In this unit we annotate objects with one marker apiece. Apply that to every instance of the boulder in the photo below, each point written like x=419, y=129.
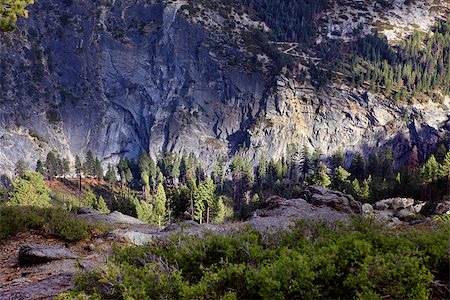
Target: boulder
x=320, y=196
x=130, y=237
x=277, y=213
x=436, y=208
x=113, y=218
x=118, y=217
x=381, y=205
x=405, y=212
x=394, y=203
x=419, y=206
x=180, y=226
x=38, y=254
x=367, y=209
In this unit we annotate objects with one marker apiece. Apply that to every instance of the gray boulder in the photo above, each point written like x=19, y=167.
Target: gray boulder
x=405, y=212
x=367, y=209
x=118, y=217
x=130, y=237
x=394, y=203
x=113, y=218
x=277, y=213
x=338, y=201
x=38, y=254
x=419, y=206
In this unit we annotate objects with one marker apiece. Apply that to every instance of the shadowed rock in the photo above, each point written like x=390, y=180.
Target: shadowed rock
x=38, y=254
x=320, y=196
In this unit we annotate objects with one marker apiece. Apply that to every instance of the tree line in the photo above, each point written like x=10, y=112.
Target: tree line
x=171, y=186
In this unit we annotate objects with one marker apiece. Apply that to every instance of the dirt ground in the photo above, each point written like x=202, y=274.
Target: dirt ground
x=43, y=281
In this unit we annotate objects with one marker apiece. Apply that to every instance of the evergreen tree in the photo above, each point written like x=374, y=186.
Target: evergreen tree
x=78, y=169
x=51, y=165
x=20, y=168
x=100, y=205
x=337, y=159
x=440, y=153
x=262, y=171
x=159, y=204
x=89, y=164
x=145, y=184
x=40, y=167
x=144, y=209
x=29, y=190
x=320, y=176
x=341, y=181
x=305, y=165
x=218, y=173
x=219, y=210
x=358, y=166
x=65, y=167
x=98, y=170
x=429, y=172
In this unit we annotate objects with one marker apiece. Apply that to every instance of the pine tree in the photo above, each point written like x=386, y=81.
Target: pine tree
x=51, y=165
x=65, y=167
x=341, y=181
x=78, y=169
x=40, y=168
x=337, y=159
x=89, y=164
x=358, y=166
x=320, y=176
x=305, y=165
x=159, y=204
x=219, y=210
x=262, y=171
x=20, y=168
x=145, y=184
x=98, y=170
x=429, y=172
x=100, y=205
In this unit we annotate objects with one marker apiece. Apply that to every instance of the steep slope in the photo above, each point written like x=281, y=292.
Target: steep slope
x=131, y=76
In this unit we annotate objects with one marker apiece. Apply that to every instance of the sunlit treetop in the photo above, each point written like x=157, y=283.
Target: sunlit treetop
x=10, y=11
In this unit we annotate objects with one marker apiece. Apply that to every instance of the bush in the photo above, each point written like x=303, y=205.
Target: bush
x=362, y=260
x=53, y=221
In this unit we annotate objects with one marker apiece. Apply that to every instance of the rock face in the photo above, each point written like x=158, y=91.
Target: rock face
x=124, y=77
x=37, y=254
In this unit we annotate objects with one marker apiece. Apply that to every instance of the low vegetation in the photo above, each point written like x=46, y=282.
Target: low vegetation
x=51, y=221
x=362, y=260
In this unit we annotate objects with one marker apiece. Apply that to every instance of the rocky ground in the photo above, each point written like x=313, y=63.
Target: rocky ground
x=35, y=266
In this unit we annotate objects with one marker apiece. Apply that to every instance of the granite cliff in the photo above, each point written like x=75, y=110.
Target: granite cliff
x=123, y=77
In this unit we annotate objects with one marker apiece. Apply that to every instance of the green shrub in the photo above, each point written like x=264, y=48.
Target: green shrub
x=362, y=260
x=53, y=221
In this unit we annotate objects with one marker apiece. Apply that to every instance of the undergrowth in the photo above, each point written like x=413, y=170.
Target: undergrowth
x=361, y=260
x=51, y=220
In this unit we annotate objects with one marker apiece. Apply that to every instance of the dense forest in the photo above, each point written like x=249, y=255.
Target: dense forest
x=171, y=187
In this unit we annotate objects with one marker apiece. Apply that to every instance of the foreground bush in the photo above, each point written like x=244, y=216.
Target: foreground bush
x=362, y=260
x=53, y=221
